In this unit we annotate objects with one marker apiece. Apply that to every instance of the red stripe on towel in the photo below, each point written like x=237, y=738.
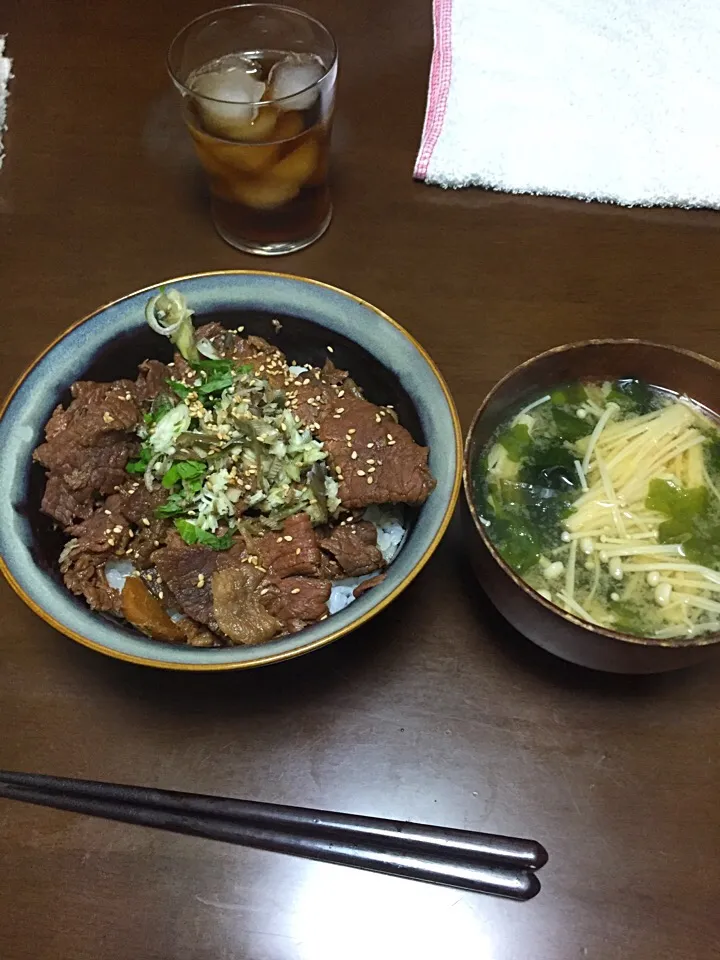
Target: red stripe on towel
x=440, y=76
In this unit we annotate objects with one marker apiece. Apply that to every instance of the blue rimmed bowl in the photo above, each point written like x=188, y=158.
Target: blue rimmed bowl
x=390, y=366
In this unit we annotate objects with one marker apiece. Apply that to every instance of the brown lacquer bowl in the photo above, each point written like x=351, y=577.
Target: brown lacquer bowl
x=547, y=625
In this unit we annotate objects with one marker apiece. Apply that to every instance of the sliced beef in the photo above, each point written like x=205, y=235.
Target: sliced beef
x=87, y=447
x=330, y=569
x=354, y=546
x=152, y=380
x=188, y=572
x=80, y=475
x=262, y=356
x=293, y=551
x=63, y=504
x=238, y=606
x=224, y=591
x=196, y=635
x=366, y=585
x=138, y=504
x=333, y=375
x=375, y=460
x=96, y=540
x=84, y=576
x=297, y=601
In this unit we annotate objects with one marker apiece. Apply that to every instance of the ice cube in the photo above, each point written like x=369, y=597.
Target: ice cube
x=227, y=159
x=264, y=194
x=299, y=165
x=228, y=102
x=289, y=126
x=291, y=77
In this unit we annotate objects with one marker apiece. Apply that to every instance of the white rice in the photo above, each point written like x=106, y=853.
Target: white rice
x=117, y=572
x=388, y=521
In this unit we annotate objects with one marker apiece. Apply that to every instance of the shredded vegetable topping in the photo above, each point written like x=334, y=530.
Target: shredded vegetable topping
x=168, y=314
x=227, y=445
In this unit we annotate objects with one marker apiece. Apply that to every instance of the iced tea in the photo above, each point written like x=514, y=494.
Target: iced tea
x=261, y=130
x=257, y=82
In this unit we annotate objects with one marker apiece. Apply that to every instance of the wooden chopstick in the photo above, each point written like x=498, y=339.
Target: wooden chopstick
x=470, y=861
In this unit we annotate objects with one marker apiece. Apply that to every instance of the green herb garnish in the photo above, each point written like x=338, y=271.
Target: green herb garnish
x=193, y=534
x=181, y=389
x=140, y=464
x=184, y=470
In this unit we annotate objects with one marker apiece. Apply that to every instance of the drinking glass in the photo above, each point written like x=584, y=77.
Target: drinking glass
x=257, y=83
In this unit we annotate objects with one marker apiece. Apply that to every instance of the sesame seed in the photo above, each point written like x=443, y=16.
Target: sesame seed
x=264, y=591
x=371, y=461
x=370, y=480
x=352, y=430
x=160, y=594
x=117, y=529
x=341, y=393
x=145, y=522
x=156, y=543
x=361, y=473
x=353, y=455
x=295, y=590
x=378, y=418
x=330, y=350
x=370, y=446
x=261, y=569
x=107, y=417
x=111, y=541
x=391, y=443
x=389, y=436
x=288, y=538
x=279, y=539
x=340, y=410
x=371, y=470
x=107, y=512
x=131, y=533
x=336, y=416
x=297, y=552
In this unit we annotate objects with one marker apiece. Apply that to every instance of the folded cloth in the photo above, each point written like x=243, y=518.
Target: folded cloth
x=5, y=65
x=615, y=100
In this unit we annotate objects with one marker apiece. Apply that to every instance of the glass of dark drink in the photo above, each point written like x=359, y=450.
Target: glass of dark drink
x=258, y=88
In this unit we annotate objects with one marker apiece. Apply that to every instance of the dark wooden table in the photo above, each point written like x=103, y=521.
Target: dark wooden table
x=437, y=711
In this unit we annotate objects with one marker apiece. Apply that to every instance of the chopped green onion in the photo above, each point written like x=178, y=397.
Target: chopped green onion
x=192, y=534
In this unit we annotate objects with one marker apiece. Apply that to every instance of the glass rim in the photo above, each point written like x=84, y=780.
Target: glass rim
x=247, y=6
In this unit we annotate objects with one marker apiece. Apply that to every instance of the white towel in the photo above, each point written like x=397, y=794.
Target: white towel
x=5, y=65
x=615, y=100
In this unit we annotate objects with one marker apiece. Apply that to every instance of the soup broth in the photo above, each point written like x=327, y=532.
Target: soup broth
x=605, y=498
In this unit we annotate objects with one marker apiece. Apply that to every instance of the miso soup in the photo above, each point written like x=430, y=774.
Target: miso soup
x=605, y=498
